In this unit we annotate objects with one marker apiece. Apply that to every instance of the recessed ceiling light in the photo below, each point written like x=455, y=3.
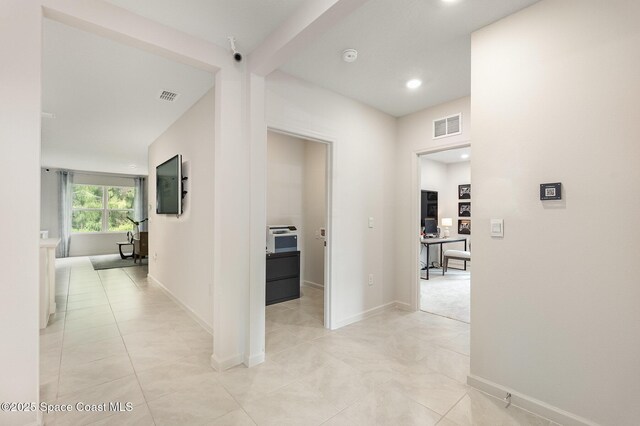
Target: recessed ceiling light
x=414, y=83
x=464, y=156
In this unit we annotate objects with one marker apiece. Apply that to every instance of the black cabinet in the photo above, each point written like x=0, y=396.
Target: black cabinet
x=428, y=206
x=283, y=277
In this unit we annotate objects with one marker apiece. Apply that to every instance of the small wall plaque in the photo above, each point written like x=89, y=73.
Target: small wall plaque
x=551, y=191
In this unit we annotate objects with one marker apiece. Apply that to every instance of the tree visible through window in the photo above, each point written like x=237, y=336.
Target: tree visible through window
x=101, y=208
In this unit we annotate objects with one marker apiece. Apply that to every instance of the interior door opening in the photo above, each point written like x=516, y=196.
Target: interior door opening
x=298, y=227
x=445, y=233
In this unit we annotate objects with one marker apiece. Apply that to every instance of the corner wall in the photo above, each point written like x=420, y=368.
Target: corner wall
x=414, y=133
x=555, y=99
x=184, y=245
x=363, y=155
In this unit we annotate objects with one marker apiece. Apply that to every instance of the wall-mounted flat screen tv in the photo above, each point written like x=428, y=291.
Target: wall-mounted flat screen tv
x=169, y=186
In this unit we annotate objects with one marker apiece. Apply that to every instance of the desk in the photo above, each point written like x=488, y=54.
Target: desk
x=427, y=242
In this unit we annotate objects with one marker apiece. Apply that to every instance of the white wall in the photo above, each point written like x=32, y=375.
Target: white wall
x=285, y=180
x=555, y=99
x=315, y=211
x=49, y=199
x=413, y=137
x=184, y=245
x=362, y=180
x=433, y=177
x=20, y=77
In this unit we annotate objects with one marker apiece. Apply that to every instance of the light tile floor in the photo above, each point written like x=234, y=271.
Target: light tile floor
x=116, y=337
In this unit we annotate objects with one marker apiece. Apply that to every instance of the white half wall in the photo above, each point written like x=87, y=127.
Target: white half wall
x=555, y=99
x=414, y=137
x=181, y=249
x=363, y=155
x=20, y=79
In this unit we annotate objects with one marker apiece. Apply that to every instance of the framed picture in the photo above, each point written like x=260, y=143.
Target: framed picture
x=464, y=226
x=464, y=191
x=464, y=209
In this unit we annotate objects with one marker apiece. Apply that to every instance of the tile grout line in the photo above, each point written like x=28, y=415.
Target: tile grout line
x=135, y=373
x=451, y=408
x=64, y=327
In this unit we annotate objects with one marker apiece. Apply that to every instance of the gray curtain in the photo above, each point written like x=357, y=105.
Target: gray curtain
x=139, y=202
x=65, y=179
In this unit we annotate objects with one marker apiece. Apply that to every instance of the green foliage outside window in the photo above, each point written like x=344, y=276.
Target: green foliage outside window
x=121, y=198
x=95, y=205
x=87, y=197
x=86, y=221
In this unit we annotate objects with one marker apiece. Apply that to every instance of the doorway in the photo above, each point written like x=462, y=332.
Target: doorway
x=111, y=314
x=445, y=227
x=297, y=188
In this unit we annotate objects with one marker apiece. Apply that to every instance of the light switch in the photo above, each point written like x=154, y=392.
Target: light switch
x=497, y=227
x=370, y=222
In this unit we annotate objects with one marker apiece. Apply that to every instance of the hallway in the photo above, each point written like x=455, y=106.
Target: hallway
x=118, y=338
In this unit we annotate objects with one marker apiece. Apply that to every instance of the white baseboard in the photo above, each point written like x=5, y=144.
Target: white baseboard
x=184, y=307
x=254, y=360
x=528, y=403
x=366, y=314
x=312, y=284
x=225, y=364
x=402, y=306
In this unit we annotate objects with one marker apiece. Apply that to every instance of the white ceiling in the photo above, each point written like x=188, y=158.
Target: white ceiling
x=104, y=94
x=398, y=40
x=450, y=156
x=249, y=21
x=104, y=97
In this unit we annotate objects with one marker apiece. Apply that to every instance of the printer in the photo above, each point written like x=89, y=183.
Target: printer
x=282, y=238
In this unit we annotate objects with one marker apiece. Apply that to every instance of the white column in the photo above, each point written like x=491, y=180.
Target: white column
x=231, y=185
x=20, y=49
x=258, y=146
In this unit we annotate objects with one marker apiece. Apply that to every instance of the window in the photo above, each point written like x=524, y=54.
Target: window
x=101, y=208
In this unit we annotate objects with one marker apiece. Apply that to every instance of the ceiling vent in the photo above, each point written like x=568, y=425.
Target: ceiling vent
x=168, y=96
x=447, y=126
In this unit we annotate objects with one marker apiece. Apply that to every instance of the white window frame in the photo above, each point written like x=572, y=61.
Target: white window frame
x=105, y=210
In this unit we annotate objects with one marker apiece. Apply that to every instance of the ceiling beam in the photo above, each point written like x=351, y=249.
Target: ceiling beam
x=308, y=22
x=106, y=20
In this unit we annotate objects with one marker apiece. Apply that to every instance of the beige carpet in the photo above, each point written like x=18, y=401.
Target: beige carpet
x=447, y=295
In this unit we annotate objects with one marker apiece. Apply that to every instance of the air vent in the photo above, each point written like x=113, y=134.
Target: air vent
x=168, y=96
x=447, y=126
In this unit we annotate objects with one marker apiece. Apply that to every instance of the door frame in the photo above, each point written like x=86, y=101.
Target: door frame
x=329, y=142
x=415, y=213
